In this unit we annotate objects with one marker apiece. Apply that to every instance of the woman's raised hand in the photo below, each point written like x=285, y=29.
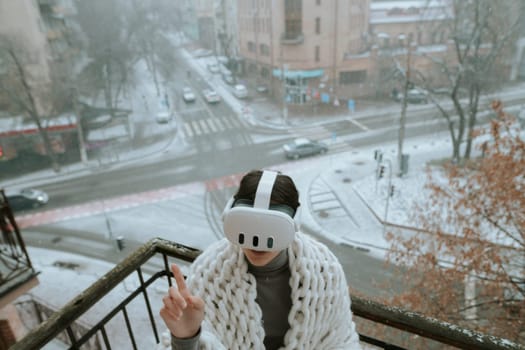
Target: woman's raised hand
x=182, y=312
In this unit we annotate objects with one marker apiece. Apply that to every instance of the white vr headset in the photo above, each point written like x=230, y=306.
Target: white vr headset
x=260, y=225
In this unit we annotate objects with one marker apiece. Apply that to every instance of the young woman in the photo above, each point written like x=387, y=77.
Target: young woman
x=260, y=289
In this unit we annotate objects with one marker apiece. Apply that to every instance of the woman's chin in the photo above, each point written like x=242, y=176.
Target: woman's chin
x=259, y=258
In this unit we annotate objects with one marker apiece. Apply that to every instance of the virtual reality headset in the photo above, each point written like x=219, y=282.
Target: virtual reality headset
x=259, y=225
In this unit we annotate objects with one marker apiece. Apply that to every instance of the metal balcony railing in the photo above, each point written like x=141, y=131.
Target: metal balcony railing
x=15, y=265
x=154, y=256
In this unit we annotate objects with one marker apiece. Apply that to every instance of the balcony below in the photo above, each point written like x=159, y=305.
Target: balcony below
x=292, y=38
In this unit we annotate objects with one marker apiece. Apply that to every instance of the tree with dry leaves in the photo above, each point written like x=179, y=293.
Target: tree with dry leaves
x=467, y=265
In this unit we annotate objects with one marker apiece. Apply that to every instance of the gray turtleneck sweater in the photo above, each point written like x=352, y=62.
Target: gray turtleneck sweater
x=273, y=297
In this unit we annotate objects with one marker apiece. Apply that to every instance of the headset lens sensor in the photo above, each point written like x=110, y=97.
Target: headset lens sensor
x=269, y=242
x=255, y=241
x=241, y=238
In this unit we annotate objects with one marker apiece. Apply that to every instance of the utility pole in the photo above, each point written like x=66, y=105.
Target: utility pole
x=402, y=119
x=80, y=131
x=283, y=81
x=388, y=193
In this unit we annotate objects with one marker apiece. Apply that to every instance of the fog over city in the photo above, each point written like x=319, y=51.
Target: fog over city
x=401, y=122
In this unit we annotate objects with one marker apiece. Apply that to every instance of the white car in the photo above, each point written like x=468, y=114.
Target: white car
x=240, y=91
x=211, y=96
x=163, y=117
x=188, y=95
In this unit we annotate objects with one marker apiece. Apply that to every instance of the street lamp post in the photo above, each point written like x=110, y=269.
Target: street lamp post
x=388, y=193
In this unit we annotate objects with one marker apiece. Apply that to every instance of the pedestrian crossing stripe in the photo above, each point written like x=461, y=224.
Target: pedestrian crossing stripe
x=203, y=126
x=218, y=125
x=196, y=129
x=209, y=125
x=187, y=130
x=212, y=126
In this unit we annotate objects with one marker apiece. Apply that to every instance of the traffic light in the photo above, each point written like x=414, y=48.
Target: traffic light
x=1, y=152
x=120, y=243
x=381, y=172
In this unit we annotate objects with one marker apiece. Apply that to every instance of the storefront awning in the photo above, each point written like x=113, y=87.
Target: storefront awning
x=294, y=74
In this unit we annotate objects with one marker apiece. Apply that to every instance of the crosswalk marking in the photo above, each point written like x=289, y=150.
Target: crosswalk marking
x=187, y=130
x=218, y=124
x=197, y=128
x=210, y=125
x=204, y=126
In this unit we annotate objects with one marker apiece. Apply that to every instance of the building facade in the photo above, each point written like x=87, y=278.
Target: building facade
x=319, y=49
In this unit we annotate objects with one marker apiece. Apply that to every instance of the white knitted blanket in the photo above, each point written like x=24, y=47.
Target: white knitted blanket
x=320, y=317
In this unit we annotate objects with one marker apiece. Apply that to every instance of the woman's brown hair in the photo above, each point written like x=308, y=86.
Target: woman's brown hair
x=284, y=190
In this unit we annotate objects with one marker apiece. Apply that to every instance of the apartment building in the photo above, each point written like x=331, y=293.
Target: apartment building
x=307, y=48
x=28, y=39
x=40, y=34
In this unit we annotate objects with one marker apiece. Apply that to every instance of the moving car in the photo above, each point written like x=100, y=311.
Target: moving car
x=240, y=91
x=163, y=117
x=302, y=147
x=23, y=199
x=211, y=96
x=188, y=95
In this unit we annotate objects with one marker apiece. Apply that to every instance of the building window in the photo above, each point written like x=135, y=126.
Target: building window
x=251, y=46
x=317, y=54
x=264, y=49
x=293, y=13
x=318, y=25
x=352, y=77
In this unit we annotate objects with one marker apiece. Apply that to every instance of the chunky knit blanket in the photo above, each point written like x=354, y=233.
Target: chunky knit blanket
x=320, y=317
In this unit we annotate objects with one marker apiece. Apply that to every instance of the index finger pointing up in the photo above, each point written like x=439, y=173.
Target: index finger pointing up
x=179, y=278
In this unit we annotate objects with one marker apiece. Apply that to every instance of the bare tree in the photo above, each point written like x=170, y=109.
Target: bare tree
x=108, y=48
x=18, y=85
x=151, y=36
x=480, y=35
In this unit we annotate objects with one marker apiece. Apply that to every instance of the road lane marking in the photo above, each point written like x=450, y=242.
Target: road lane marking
x=358, y=124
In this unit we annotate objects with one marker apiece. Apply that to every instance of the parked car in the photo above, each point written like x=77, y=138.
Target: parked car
x=413, y=96
x=202, y=53
x=417, y=96
x=211, y=96
x=163, y=117
x=24, y=199
x=213, y=67
x=240, y=91
x=188, y=95
x=262, y=89
x=303, y=147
